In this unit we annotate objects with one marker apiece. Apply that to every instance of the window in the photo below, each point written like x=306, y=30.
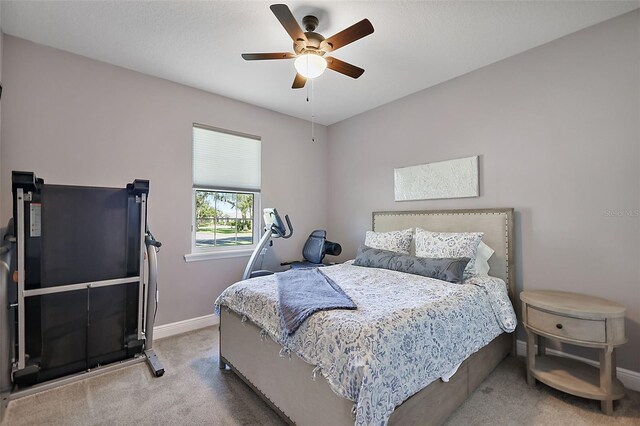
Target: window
x=223, y=219
x=226, y=192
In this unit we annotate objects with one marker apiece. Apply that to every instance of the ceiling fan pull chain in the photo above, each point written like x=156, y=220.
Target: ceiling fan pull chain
x=313, y=116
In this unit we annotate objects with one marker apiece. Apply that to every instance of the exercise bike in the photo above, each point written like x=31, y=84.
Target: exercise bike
x=314, y=251
x=274, y=227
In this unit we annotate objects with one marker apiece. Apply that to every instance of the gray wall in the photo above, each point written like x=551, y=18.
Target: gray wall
x=74, y=120
x=2, y=225
x=557, y=132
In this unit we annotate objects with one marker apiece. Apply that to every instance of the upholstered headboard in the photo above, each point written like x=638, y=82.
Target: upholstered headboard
x=497, y=225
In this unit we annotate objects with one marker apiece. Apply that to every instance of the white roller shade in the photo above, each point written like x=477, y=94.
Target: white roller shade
x=225, y=161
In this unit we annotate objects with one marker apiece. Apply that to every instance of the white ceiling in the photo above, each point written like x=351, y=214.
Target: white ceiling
x=416, y=44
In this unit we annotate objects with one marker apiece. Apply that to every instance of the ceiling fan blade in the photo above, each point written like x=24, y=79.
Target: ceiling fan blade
x=346, y=36
x=344, y=67
x=289, y=22
x=299, y=82
x=262, y=56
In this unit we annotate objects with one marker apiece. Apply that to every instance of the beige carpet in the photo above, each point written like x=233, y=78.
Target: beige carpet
x=194, y=391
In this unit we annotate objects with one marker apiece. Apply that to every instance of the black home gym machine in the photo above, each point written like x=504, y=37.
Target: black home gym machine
x=79, y=277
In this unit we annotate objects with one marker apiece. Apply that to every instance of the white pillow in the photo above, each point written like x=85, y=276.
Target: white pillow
x=482, y=259
x=449, y=244
x=397, y=241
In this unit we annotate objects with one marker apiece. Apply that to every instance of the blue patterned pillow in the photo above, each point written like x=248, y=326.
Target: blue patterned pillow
x=449, y=245
x=397, y=241
x=445, y=269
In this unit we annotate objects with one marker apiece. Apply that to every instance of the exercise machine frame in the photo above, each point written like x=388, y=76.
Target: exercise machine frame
x=273, y=228
x=147, y=281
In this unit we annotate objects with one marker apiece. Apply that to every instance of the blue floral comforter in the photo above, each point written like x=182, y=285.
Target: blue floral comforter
x=407, y=332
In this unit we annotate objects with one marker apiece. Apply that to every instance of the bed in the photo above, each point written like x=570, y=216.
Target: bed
x=295, y=378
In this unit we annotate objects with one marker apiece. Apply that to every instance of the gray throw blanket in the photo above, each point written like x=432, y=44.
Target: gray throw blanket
x=303, y=292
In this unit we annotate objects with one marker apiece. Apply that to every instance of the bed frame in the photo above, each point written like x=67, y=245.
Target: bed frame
x=287, y=385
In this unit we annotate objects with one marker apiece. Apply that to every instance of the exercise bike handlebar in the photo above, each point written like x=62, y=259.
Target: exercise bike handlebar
x=274, y=228
x=282, y=233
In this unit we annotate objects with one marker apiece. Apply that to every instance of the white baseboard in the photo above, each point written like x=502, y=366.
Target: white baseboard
x=166, y=330
x=629, y=378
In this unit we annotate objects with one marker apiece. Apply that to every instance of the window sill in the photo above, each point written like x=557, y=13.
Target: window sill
x=213, y=255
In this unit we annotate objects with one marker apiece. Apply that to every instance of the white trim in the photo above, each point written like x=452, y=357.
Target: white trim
x=212, y=255
x=167, y=330
x=629, y=378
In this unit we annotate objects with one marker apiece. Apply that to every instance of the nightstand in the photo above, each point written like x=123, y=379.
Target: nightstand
x=579, y=320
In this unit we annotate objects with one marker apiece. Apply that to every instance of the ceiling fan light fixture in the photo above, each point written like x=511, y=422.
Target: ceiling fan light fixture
x=310, y=47
x=310, y=65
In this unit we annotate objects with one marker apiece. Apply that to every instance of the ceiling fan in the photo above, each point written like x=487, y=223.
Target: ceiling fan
x=310, y=47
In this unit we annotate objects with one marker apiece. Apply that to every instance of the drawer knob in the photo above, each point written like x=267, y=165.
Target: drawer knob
x=559, y=326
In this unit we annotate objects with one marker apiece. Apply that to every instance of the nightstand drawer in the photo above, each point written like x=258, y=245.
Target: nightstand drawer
x=567, y=327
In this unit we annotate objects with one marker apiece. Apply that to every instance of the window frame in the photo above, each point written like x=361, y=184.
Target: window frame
x=222, y=252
